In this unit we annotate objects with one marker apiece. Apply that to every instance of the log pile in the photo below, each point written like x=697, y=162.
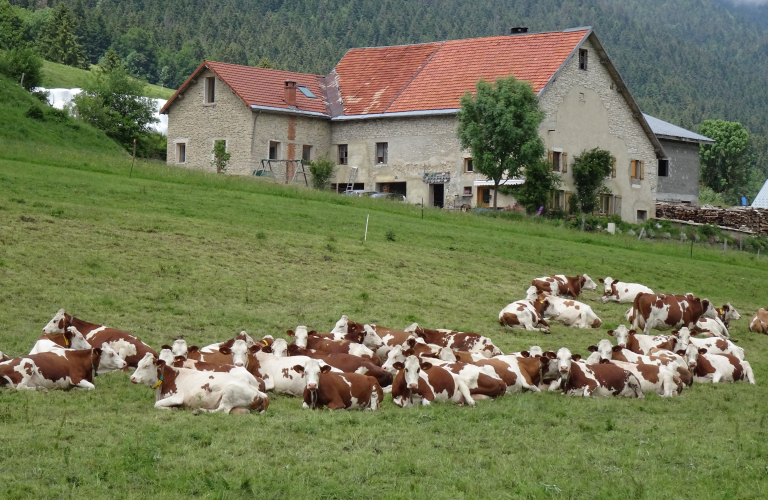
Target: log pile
x=755, y=219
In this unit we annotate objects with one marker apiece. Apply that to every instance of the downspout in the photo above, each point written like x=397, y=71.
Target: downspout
x=253, y=136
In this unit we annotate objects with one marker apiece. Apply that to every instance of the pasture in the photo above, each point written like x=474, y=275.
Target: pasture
x=170, y=253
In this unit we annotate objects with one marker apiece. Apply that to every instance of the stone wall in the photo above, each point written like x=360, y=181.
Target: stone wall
x=682, y=184
x=584, y=110
x=247, y=132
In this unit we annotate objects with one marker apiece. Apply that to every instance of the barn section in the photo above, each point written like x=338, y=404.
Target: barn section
x=387, y=117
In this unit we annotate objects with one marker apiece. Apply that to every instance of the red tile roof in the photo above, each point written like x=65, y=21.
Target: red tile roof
x=435, y=76
x=261, y=87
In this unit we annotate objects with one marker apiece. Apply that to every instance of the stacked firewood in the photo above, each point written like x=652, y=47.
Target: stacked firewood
x=755, y=219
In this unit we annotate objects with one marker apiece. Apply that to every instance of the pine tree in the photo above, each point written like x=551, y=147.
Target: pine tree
x=59, y=43
x=97, y=39
x=11, y=27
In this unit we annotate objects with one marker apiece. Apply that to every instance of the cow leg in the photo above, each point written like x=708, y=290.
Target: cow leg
x=748, y=372
x=716, y=377
x=336, y=404
x=169, y=402
x=464, y=390
x=84, y=384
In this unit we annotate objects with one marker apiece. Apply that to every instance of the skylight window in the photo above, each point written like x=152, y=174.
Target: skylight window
x=307, y=92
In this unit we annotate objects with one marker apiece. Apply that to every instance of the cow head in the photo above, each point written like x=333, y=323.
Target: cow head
x=342, y=326
x=728, y=313
x=604, y=349
x=683, y=338
x=75, y=339
x=146, y=371
x=549, y=366
x=312, y=371
x=371, y=340
x=607, y=282
x=540, y=305
x=535, y=350
x=411, y=367
x=564, y=361
x=446, y=354
x=708, y=310
x=587, y=283
x=240, y=353
x=622, y=334
x=180, y=348
x=691, y=355
x=58, y=324
x=532, y=293
x=395, y=355
x=247, y=338
x=266, y=340
x=301, y=335
x=167, y=355
x=109, y=360
x=280, y=348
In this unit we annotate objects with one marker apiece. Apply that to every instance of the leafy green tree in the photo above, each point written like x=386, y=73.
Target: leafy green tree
x=220, y=156
x=536, y=192
x=96, y=38
x=499, y=125
x=59, y=42
x=265, y=63
x=23, y=61
x=112, y=101
x=590, y=169
x=322, y=170
x=110, y=61
x=724, y=164
x=11, y=27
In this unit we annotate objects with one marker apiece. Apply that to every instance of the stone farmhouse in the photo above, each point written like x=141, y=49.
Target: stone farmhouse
x=387, y=117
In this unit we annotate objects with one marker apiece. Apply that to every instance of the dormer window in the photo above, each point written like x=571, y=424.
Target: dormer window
x=583, y=55
x=307, y=93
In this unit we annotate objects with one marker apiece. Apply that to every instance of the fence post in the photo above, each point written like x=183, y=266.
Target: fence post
x=582, y=222
x=725, y=244
x=642, y=232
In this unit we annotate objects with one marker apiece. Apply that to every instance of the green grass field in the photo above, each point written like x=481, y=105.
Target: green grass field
x=59, y=76
x=170, y=252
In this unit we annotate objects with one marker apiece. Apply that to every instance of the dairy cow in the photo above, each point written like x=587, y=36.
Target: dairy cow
x=656, y=356
x=716, y=368
x=71, y=339
x=181, y=362
x=569, y=312
x=667, y=312
x=310, y=341
x=718, y=326
x=338, y=391
x=422, y=383
x=460, y=341
x=60, y=368
x=581, y=379
x=525, y=314
x=618, y=291
x=641, y=344
x=713, y=345
x=562, y=285
x=759, y=323
x=207, y=391
x=347, y=363
x=128, y=347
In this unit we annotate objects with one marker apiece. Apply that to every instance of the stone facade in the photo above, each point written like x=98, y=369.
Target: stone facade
x=682, y=183
x=248, y=133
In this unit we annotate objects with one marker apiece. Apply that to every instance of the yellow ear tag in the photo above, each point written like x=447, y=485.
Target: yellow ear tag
x=159, y=382
x=66, y=342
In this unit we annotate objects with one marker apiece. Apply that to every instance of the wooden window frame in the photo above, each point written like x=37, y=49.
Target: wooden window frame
x=583, y=59
x=469, y=167
x=343, y=159
x=277, y=150
x=382, y=153
x=306, y=148
x=181, y=152
x=210, y=90
x=637, y=169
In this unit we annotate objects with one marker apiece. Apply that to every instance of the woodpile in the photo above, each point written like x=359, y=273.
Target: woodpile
x=754, y=219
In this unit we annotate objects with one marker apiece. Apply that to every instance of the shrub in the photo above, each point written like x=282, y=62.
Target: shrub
x=590, y=169
x=390, y=235
x=23, y=61
x=322, y=170
x=35, y=112
x=57, y=115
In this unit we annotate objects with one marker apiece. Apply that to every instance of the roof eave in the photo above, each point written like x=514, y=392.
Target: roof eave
x=398, y=114
x=180, y=91
x=684, y=139
x=287, y=111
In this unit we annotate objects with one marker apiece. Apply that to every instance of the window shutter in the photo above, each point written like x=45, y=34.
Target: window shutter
x=642, y=170
x=633, y=165
x=551, y=158
x=586, y=59
x=565, y=162
x=617, y=205
x=613, y=171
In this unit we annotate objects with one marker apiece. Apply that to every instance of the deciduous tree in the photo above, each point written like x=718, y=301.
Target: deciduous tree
x=590, y=169
x=724, y=164
x=499, y=125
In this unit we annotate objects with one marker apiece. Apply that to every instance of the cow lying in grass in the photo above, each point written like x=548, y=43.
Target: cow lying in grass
x=422, y=383
x=338, y=391
x=166, y=355
x=580, y=379
x=206, y=391
x=71, y=339
x=718, y=326
x=618, y=291
x=713, y=345
x=525, y=314
x=759, y=323
x=716, y=368
x=564, y=286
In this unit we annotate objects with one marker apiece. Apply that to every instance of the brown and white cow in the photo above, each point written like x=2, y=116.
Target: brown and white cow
x=569, y=312
x=60, y=368
x=656, y=356
x=4, y=357
x=347, y=363
x=310, y=341
x=668, y=312
x=641, y=344
x=338, y=391
x=563, y=285
x=713, y=345
x=718, y=326
x=71, y=339
x=128, y=347
x=181, y=362
x=759, y=323
x=653, y=378
x=716, y=368
x=581, y=379
x=518, y=373
x=422, y=383
x=525, y=314
x=618, y=291
x=207, y=391
x=460, y=341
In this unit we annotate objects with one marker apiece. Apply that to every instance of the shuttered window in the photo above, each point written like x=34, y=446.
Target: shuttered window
x=565, y=162
x=381, y=152
x=638, y=169
x=613, y=168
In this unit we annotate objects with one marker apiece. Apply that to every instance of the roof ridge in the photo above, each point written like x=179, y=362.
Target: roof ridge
x=266, y=69
x=414, y=75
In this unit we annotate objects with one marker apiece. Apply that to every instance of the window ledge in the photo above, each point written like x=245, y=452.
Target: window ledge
x=636, y=186
x=209, y=104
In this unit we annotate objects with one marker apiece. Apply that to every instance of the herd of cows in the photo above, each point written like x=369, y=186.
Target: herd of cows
x=354, y=365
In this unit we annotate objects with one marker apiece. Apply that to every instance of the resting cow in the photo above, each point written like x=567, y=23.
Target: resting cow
x=641, y=344
x=657, y=357
x=60, y=368
x=421, y=382
x=569, y=312
x=525, y=314
x=338, y=391
x=581, y=379
x=718, y=326
x=311, y=341
x=563, y=285
x=618, y=291
x=71, y=339
x=668, y=312
x=204, y=366
x=128, y=347
x=716, y=368
x=345, y=362
x=759, y=324
x=460, y=341
x=713, y=345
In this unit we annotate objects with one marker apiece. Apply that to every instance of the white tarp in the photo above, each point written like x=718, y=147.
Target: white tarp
x=504, y=182
x=761, y=200
x=61, y=97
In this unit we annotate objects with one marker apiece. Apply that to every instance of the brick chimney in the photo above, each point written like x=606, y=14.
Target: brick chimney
x=290, y=93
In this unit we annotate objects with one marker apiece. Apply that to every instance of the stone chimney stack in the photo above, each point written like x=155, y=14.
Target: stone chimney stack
x=290, y=93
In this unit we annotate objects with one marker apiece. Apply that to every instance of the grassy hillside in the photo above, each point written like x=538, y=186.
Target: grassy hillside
x=171, y=253
x=66, y=77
